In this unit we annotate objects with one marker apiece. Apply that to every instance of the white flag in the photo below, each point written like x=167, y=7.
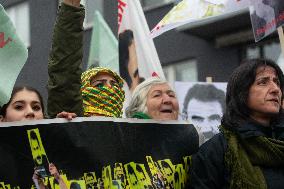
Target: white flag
x=194, y=11
x=139, y=52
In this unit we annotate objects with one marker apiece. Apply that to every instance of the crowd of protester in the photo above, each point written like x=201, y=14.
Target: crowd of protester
x=247, y=153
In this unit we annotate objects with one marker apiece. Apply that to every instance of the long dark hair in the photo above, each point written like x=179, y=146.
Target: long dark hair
x=237, y=111
x=3, y=110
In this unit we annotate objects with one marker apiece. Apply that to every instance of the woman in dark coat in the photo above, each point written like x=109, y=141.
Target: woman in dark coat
x=249, y=151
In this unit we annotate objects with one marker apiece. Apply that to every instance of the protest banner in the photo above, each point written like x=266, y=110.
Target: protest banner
x=138, y=58
x=202, y=104
x=97, y=153
x=266, y=17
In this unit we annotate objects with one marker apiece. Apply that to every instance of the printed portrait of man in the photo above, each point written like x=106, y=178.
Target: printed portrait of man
x=203, y=106
x=36, y=148
x=158, y=180
x=137, y=176
x=90, y=179
x=134, y=182
x=38, y=153
x=119, y=174
x=168, y=169
x=278, y=7
x=128, y=64
x=265, y=16
x=2, y=185
x=106, y=176
x=179, y=176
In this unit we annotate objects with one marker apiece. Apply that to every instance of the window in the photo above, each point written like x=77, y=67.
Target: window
x=19, y=15
x=181, y=71
x=272, y=51
x=253, y=52
x=269, y=50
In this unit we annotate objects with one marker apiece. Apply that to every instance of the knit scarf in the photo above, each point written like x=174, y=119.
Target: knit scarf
x=104, y=101
x=244, y=157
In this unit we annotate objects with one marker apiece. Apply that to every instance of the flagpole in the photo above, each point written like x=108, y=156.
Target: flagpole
x=281, y=38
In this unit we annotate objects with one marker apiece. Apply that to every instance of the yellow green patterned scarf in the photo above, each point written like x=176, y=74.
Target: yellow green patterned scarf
x=103, y=100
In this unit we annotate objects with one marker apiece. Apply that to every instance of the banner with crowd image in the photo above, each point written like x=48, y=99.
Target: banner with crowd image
x=202, y=104
x=97, y=153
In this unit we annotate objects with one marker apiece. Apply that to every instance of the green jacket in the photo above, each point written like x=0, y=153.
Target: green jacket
x=64, y=64
x=140, y=115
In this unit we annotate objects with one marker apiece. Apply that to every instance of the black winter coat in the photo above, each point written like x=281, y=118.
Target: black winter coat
x=208, y=166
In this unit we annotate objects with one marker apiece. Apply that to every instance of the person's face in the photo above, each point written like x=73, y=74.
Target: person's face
x=102, y=79
x=36, y=151
x=25, y=105
x=162, y=103
x=206, y=115
x=264, y=99
x=133, y=66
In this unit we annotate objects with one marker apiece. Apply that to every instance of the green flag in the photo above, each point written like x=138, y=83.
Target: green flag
x=13, y=55
x=104, y=46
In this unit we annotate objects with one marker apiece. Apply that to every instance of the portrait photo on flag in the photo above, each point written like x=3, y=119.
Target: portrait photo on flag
x=138, y=58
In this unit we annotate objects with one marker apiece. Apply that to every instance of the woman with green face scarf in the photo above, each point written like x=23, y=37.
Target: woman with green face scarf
x=102, y=93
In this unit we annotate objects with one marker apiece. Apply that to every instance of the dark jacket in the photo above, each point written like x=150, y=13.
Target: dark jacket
x=208, y=167
x=64, y=65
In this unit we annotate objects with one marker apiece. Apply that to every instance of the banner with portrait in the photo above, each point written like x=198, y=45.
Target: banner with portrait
x=202, y=104
x=96, y=153
x=266, y=16
x=138, y=58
